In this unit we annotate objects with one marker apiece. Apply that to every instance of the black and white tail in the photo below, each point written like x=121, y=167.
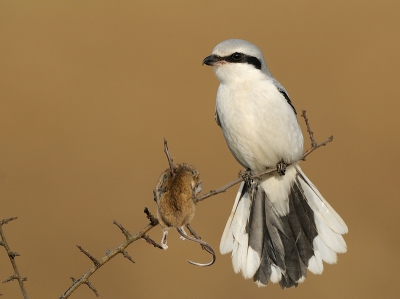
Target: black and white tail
x=278, y=239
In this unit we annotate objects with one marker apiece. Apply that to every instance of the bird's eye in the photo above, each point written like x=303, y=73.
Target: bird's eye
x=237, y=56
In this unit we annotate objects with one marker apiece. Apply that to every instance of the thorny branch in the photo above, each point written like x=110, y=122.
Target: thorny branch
x=121, y=249
x=12, y=255
x=97, y=264
x=314, y=144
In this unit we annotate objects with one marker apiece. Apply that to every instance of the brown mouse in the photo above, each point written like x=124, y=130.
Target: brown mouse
x=174, y=194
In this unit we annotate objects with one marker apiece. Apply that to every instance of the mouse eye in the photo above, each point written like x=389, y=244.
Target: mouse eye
x=237, y=56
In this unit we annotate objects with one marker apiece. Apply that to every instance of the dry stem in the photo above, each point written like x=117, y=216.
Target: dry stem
x=97, y=264
x=170, y=161
x=12, y=255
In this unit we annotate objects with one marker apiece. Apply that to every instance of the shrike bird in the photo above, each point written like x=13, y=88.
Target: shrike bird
x=279, y=226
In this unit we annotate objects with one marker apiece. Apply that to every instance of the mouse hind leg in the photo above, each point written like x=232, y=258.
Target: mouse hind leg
x=164, y=239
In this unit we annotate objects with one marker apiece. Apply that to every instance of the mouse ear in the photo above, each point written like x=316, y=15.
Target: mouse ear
x=198, y=188
x=155, y=195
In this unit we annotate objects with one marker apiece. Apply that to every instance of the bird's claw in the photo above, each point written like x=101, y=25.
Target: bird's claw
x=281, y=167
x=247, y=177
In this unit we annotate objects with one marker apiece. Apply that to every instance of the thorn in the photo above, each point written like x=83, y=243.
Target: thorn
x=95, y=261
x=13, y=254
x=5, y=221
x=87, y=282
x=149, y=216
x=152, y=242
x=108, y=251
x=126, y=255
x=11, y=278
x=124, y=231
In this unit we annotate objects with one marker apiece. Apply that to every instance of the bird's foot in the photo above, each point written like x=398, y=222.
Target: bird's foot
x=281, y=167
x=247, y=177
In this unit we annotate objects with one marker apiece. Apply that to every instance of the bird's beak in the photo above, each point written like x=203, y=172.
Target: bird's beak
x=211, y=60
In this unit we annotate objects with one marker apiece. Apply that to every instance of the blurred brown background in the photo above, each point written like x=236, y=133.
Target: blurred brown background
x=88, y=90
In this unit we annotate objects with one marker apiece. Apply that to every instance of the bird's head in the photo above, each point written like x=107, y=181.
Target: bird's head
x=236, y=59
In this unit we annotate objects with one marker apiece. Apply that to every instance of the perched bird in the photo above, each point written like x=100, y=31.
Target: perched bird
x=174, y=194
x=280, y=225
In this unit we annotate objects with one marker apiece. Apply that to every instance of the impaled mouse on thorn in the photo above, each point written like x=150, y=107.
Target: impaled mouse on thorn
x=174, y=193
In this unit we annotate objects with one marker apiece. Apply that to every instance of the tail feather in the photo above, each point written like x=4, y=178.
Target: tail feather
x=306, y=214
x=273, y=254
x=297, y=222
x=326, y=254
x=255, y=232
x=270, y=244
x=276, y=274
x=292, y=258
x=239, y=253
x=315, y=264
x=320, y=206
x=307, y=220
x=333, y=240
x=263, y=273
x=275, y=248
x=235, y=238
x=226, y=244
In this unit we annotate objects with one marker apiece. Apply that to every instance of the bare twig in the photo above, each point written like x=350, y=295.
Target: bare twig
x=219, y=190
x=95, y=261
x=126, y=255
x=310, y=133
x=124, y=231
x=151, y=241
x=170, y=161
x=90, y=286
x=153, y=220
x=12, y=256
x=84, y=279
x=314, y=146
